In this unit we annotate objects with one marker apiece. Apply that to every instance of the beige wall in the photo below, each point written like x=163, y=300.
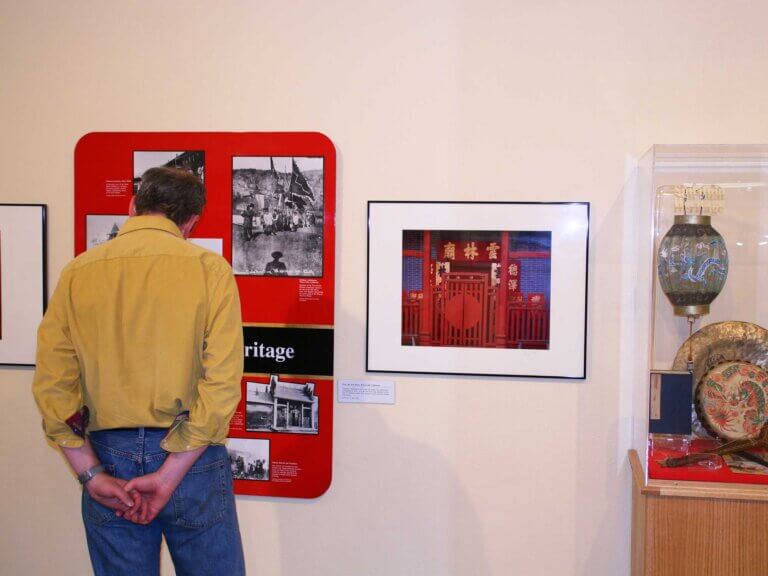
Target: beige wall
x=487, y=100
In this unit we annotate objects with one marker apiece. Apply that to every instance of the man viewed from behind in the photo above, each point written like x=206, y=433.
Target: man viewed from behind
x=139, y=363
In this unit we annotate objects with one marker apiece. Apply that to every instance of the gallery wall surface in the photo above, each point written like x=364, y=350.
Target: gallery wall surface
x=425, y=100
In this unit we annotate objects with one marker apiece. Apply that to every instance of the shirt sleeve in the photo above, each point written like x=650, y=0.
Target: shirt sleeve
x=56, y=385
x=219, y=388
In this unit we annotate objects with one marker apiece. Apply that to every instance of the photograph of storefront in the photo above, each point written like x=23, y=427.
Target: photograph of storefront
x=281, y=407
x=487, y=289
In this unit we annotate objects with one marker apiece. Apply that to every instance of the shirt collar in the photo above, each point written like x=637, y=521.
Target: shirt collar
x=150, y=223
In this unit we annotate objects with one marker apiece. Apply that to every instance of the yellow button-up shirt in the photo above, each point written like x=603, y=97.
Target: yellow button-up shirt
x=141, y=329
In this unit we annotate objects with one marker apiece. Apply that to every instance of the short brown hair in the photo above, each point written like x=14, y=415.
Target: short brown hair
x=176, y=193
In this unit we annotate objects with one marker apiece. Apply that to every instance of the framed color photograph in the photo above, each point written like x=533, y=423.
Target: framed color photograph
x=23, y=280
x=478, y=288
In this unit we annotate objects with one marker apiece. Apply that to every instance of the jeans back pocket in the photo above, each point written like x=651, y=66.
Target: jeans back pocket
x=200, y=500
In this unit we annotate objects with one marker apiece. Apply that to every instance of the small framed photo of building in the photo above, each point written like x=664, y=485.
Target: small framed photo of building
x=23, y=280
x=249, y=458
x=192, y=161
x=280, y=406
x=100, y=228
x=478, y=288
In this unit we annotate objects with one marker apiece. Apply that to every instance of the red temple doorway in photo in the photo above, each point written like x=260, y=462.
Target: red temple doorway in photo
x=483, y=289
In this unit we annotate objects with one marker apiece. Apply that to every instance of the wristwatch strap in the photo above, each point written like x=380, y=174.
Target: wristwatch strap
x=83, y=477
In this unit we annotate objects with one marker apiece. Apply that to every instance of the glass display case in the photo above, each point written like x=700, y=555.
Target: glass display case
x=695, y=344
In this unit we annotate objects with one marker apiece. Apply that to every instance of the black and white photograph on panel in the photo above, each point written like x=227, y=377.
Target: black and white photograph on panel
x=277, y=216
x=100, y=228
x=281, y=407
x=249, y=458
x=190, y=160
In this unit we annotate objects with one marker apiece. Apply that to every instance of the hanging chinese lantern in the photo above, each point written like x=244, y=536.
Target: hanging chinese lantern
x=692, y=264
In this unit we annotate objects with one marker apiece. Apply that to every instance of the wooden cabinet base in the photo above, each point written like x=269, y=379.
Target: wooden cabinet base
x=697, y=528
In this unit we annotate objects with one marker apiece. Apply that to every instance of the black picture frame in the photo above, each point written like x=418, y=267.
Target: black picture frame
x=34, y=321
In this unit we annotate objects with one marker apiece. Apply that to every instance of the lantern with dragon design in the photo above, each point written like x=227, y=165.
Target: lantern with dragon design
x=693, y=258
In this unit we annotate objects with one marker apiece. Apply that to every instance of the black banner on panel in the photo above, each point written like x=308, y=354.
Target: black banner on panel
x=288, y=350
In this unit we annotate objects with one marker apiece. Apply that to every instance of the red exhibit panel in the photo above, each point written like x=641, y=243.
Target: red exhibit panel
x=270, y=212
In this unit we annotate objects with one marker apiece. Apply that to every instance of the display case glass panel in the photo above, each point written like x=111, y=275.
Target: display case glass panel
x=704, y=267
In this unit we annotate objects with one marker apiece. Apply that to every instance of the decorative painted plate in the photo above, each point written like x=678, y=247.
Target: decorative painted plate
x=731, y=400
x=712, y=348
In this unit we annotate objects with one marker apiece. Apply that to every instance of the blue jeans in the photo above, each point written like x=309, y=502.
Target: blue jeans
x=199, y=522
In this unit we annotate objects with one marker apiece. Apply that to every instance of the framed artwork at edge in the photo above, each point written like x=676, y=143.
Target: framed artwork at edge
x=270, y=212
x=23, y=280
x=478, y=288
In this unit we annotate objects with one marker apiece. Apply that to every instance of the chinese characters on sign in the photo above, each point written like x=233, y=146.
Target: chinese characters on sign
x=471, y=251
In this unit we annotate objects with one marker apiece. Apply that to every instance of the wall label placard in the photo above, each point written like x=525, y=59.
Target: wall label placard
x=366, y=391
